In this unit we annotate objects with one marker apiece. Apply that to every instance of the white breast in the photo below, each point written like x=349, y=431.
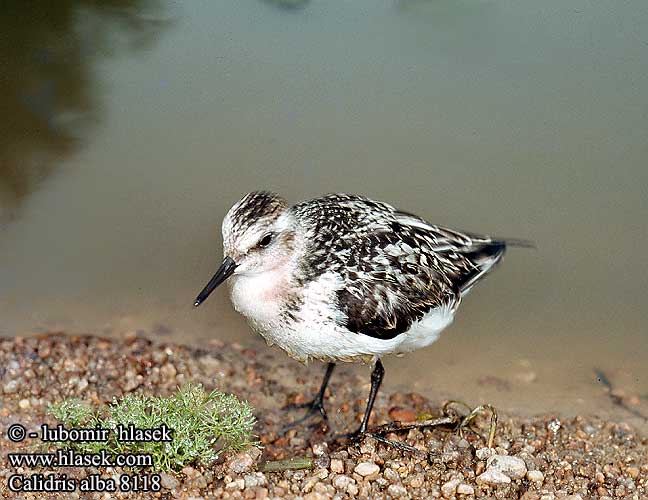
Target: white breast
x=317, y=332
x=258, y=297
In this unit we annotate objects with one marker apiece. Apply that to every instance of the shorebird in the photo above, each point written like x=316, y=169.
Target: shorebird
x=346, y=278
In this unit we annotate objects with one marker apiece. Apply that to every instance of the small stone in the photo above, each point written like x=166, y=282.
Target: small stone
x=168, y=371
x=168, y=481
x=237, y=484
x=526, y=377
x=132, y=381
x=449, y=488
x=366, y=469
x=337, y=465
x=401, y=414
x=484, y=453
x=633, y=472
x=397, y=491
x=241, y=462
x=309, y=483
x=342, y=482
x=417, y=481
x=599, y=477
x=513, y=467
x=320, y=473
x=24, y=404
x=210, y=364
x=465, y=489
x=554, y=426
x=535, y=476
x=391, y=475
x=314, y=496
x=493, y=477
x=10, y=387
x=368, y=447
x=319, y=449
x=463, y=443
x=352, y=490
x=251, y=481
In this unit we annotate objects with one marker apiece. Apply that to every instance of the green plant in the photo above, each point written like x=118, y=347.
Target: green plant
x=204, y=424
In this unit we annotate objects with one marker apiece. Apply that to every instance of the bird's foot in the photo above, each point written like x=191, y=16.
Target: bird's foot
x=468, y=419
x=449, y=418
x=358, y=436
x=313, y=408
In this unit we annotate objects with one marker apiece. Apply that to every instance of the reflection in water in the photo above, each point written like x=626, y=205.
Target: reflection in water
x=288, y=4
x=50, y=97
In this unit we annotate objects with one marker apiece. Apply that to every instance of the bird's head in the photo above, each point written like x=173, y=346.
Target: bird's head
x=258, y=237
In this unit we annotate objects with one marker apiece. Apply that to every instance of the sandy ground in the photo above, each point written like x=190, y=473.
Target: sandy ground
x=541, y=457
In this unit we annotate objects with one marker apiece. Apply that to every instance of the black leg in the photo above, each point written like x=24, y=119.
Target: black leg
x=317, y=404
x=376, y=379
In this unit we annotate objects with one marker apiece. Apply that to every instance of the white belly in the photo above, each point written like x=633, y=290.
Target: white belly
x=317, y=333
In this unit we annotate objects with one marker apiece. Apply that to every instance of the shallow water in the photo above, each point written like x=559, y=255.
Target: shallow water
x=133, y=126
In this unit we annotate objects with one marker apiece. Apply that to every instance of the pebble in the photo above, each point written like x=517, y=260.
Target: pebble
x=554, y=426
x=252, y=481
x=633, y=472
x=236, y=484
x=397, y=491
x=465, y=489
x=315, y=496
x=341, y=482
x=10, y=387
x=366, y=469
x=513, y=467
x=449, y=488
x=24, y=404
x=535, y=476
x=168, y=371
x=417, y=481
x=168, y=481
x=493, y=477
x=319, y=449
x=484, y=453
x=241, y=462
x=401, y=414
x=337, y=465
x=391, y=475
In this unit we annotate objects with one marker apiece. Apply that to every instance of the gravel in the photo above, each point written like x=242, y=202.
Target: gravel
x=513, y=467
x=546, y=457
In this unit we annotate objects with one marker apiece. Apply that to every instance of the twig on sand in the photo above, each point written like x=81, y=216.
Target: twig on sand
x=289, y=464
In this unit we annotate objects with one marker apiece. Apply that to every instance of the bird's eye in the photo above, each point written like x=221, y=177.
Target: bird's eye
x=265, y=241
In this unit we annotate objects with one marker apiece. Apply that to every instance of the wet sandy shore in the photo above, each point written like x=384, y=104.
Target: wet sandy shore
x=541, y=457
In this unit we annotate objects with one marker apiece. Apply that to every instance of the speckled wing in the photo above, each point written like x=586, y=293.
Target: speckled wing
x=396, y=267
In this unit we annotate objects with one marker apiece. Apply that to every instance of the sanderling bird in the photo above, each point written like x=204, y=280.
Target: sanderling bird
x=346, y=278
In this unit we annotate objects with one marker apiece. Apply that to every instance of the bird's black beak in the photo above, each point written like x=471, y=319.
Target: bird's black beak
x=224, y=271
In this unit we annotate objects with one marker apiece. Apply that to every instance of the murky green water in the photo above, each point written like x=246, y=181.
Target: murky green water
x=129, y=128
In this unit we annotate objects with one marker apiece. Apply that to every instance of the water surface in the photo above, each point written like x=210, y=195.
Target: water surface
x=132, y=126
